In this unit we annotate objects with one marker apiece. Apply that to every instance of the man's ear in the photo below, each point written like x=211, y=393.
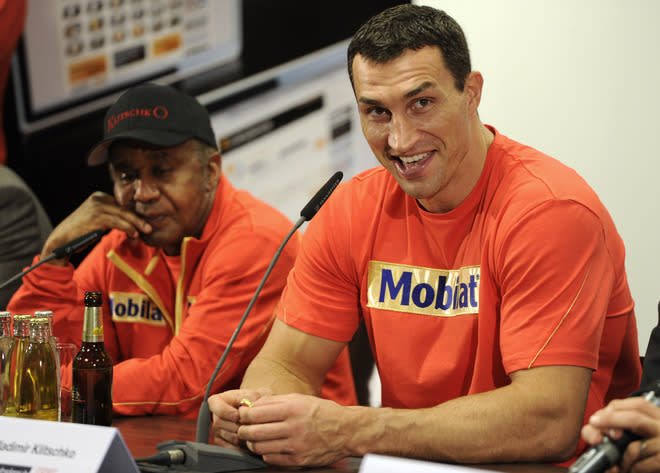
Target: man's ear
x=473, y=86
x=214, y=170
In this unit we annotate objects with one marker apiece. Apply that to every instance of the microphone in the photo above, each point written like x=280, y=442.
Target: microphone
x=609, y=451
x=78, y=243
x=199, y=455
x=319, y=198
x=62, y=251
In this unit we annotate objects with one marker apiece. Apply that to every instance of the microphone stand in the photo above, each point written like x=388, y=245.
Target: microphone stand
x=62, y=251
x=199, y=456
x=204, y=417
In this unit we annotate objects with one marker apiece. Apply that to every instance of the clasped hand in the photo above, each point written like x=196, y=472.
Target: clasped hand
x=287, y=430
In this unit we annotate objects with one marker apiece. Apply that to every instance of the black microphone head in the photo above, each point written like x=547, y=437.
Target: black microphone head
x=321, y=196
x=203, y=422
x=79, y=243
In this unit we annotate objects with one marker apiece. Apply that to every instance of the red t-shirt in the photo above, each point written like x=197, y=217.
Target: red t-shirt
x=528, y=271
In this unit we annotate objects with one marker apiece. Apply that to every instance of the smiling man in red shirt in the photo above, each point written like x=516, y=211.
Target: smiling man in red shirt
x=490, y=278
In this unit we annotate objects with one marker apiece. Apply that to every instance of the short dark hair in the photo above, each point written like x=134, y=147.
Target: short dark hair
x=204, y=151
x=388, y=34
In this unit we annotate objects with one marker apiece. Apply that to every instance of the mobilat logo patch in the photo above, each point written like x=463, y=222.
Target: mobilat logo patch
x=158, y=112
x=133, y=307
x=426, y=291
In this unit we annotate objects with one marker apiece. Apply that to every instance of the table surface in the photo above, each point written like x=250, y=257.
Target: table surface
x=142, y=434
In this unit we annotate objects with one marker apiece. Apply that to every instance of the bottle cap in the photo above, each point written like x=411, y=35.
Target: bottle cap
x=93, y=298
x=43, y=313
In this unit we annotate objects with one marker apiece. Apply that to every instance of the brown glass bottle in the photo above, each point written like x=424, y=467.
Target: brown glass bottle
x=91, y=390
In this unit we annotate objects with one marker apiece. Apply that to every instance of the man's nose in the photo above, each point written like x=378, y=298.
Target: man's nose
x=402, y=134
x=145, y=190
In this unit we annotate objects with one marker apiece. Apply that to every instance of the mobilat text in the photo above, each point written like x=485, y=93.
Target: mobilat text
x=134, y=307
x=428, y=291
x=159, y=112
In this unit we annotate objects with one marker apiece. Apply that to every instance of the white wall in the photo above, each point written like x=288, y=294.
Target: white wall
x=580, y=80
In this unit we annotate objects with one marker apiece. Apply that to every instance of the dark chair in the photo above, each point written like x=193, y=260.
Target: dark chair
x=24, y=227
x=362, y=362
x=651, y=360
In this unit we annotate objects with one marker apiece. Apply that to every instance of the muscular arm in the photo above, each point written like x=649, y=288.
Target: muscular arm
x=292, y=361
x=539, y=417
x=532, y=419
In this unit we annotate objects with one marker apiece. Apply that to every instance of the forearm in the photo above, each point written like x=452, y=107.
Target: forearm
x=158, y=385
x=292, y=361
x=472, y=429
x=139, y=388
x=511, y=424
x=265, y=372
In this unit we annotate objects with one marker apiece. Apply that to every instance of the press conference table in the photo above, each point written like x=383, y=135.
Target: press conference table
x=142, y=434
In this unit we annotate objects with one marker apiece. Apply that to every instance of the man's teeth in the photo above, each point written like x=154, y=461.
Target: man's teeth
x=412, y=159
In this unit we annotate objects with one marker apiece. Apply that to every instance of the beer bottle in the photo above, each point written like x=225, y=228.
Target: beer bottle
x=91, y=390
x=17, y=363
x=6, y=344
x=38, y=393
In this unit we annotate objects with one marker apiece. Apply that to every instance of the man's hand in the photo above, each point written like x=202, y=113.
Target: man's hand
x=226, y=408
x=294, y=430
x=99, y=210
x=637, y=415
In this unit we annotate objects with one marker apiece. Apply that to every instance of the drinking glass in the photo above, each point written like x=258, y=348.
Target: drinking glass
x=66, y=353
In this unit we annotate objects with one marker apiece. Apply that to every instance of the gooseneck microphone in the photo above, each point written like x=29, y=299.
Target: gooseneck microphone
x=199, y=456
x=312, y=207
x=609, y=451
x=62, y=251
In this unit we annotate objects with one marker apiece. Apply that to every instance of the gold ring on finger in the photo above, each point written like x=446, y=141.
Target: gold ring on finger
x=643, y=453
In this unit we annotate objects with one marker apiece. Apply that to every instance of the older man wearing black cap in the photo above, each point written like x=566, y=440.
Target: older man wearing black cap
x=183, y=257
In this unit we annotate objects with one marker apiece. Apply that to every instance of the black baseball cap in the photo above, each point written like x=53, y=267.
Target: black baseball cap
x=156, y=114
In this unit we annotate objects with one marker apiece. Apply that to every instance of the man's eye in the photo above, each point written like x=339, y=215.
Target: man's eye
x=127, y=177
x=422, y=103
x=377, y=112
x=160, y=171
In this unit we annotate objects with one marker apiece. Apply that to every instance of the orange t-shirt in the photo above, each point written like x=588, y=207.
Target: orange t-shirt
x=528, y=271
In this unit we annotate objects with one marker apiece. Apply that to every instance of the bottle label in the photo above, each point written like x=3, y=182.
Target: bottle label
x=93, y=325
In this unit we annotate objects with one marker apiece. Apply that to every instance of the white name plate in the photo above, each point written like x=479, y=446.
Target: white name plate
x=373, y=463
x=37, y=446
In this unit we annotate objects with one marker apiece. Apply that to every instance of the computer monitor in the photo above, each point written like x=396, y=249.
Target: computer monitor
x=75, y=52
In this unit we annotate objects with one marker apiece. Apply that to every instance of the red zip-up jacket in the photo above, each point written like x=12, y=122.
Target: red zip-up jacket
x=165, y=336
